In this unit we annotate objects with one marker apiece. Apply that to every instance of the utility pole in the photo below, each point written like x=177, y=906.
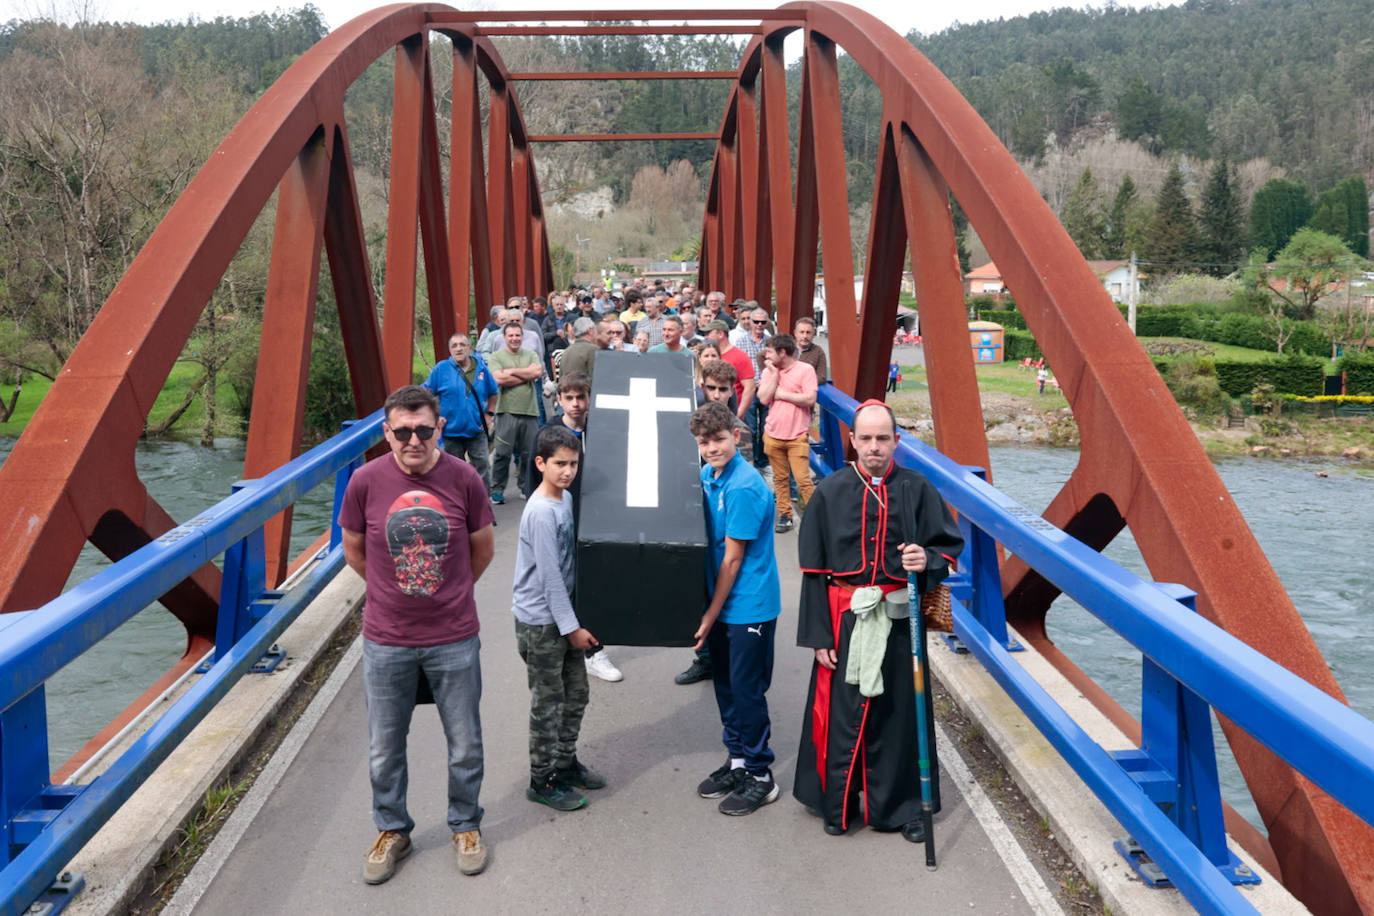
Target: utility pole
x=1132, y=286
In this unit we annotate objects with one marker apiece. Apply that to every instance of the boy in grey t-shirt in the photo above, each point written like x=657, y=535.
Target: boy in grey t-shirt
x=551, y=641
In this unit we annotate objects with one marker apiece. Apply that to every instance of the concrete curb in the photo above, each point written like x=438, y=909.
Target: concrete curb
x=120, y=857
x=1080, y=823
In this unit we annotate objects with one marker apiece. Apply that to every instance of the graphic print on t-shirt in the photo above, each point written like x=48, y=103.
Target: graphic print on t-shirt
x=417, y=533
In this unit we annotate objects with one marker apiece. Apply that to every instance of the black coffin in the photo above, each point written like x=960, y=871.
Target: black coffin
x=641, y=538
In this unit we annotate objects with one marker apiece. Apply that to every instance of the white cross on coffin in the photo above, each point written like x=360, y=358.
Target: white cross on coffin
x=641, y=464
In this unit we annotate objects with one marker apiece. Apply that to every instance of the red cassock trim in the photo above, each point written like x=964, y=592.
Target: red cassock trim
x=840, y=600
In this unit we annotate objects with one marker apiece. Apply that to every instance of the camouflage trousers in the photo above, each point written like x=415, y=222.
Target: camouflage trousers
x=558, y=696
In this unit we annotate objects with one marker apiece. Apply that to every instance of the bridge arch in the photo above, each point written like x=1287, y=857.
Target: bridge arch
x=71, y=477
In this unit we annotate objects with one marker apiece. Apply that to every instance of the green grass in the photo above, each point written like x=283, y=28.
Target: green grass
x=183, y=376
x=35, y=389
x=1004, y=378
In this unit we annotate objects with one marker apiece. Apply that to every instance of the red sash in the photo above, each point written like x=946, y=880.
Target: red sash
x=841, y=595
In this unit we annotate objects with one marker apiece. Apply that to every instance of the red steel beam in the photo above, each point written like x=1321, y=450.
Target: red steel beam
x=608, y=29
x=602, y=138
x=585, y=75
x=944, y=316
x=1140, y=463
x=775, y=153
x=837, y=254
x=469, y=242
x=444, y=319
x=402, y=227
x=486, y=18
x=288, y=326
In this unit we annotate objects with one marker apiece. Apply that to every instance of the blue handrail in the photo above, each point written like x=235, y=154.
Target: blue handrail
x=1322, y=738
x=43, y=641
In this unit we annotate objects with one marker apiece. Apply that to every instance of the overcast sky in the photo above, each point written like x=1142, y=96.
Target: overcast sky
x=901, y=15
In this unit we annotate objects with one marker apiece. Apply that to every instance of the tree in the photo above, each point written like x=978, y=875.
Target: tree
x=1343, y=211
x=1279, y=209
x=1073, y=97
x=1124, y=204
x=1272, y=307
x=1171, y=244
x=1220, y=221
x=1308, y=267
x=1140, y=113
x=1083, y=218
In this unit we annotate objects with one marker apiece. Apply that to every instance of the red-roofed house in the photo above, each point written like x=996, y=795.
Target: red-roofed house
x=1115, y=277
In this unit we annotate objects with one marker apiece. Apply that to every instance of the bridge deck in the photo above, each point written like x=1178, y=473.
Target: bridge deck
x=645, y=843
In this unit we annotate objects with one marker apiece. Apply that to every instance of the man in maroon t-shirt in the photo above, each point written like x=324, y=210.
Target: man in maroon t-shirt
x=417, y=526
x=718, y=333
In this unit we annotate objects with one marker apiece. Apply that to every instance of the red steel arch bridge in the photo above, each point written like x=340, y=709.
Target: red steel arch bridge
x=776, y=211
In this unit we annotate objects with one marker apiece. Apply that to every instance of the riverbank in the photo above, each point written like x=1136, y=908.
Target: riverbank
x=1013, y=419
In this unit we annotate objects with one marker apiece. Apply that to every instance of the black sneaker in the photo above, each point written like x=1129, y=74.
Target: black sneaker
x=581, y=776
x=751, y=795
x=784, y=524
x=698, y=671
x=722, y=782
x=557, y=796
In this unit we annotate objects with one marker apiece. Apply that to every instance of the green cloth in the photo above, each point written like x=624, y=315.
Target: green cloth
x=519, y=399
x=868, y=643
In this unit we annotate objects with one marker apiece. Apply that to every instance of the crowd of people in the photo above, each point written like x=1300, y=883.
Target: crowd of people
x=418, y=523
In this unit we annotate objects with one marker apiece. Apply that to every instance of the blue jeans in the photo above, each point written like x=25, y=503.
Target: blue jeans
x=390, y=675
x=473, y=450
x=742, y=670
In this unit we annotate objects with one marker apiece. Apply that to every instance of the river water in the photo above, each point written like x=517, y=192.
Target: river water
x=185, y=478
x=1315, y=529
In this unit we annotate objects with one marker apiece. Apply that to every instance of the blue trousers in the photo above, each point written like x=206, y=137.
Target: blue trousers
x=742, y=670
x=390, y=675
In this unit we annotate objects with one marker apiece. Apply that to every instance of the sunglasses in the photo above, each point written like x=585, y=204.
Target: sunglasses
x=402, y=433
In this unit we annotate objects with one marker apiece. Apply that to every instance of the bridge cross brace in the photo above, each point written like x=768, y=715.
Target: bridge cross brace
x=1176, y=767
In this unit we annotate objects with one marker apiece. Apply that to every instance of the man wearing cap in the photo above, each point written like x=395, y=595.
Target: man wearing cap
x=581, y=354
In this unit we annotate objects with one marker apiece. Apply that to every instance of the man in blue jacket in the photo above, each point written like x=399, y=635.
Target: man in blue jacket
x=467, y=395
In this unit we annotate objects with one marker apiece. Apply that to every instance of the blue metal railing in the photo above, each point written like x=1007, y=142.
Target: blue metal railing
x=43, y=826
x=1189, y=664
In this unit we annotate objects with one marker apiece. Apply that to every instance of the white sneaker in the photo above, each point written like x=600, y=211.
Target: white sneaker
x=600, y=665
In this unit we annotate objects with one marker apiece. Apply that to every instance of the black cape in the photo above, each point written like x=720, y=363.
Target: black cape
x=853, y=744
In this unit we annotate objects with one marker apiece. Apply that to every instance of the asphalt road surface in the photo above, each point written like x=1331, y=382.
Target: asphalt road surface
x=644, y=844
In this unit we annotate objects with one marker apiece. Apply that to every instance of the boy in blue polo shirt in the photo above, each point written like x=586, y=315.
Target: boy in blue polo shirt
x=738, y=626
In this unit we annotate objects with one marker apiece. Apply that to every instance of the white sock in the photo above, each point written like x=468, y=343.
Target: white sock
x=736, y=763
x=765, y=777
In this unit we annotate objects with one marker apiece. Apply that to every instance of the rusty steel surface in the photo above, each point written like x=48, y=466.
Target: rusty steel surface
x=771, y=220
x=1141, y=465
x=575, y=75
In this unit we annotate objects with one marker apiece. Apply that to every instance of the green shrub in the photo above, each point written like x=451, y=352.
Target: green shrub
x=1019, y=345
x=1006, y=318
x=1193, y=382
x=1289, y=374
x=1359, y=373
x=1307, y=338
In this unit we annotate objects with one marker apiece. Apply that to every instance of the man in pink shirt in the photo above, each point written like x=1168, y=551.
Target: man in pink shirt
x=788, y=388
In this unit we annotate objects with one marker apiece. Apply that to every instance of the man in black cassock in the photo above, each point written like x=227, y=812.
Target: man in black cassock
x=868, y=524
